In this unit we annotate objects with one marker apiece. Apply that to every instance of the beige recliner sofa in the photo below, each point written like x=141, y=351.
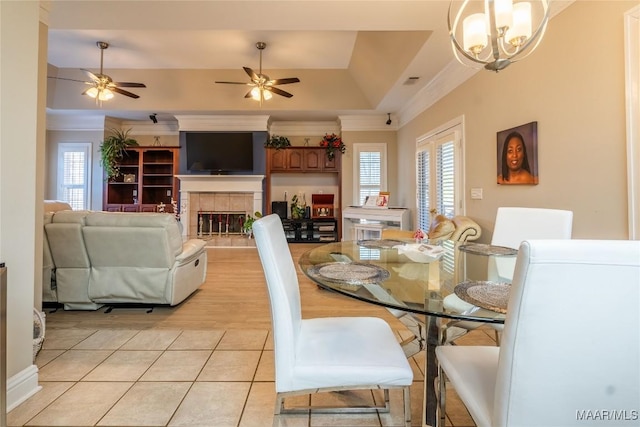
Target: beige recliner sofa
x=113, y=257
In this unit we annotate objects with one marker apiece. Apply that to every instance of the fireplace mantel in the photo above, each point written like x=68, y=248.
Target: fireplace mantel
x=217, y=183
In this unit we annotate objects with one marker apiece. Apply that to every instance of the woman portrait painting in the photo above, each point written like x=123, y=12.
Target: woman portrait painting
x=517, y=155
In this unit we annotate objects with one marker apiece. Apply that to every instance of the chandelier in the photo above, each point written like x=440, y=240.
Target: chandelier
x=496, y=33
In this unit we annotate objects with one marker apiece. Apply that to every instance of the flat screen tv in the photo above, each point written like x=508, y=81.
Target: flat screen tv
x=219, y=152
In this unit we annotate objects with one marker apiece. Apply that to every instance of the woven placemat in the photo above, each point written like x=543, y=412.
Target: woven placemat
x=493, y=296
x=381, y=243
x=484, y=249
x=350, y=273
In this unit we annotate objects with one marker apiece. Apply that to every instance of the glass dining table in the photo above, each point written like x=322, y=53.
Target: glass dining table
x=419, y=277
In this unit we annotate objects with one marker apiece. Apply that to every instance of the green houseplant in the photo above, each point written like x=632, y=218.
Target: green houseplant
x=247, y=226
x=277, y=142
x=113, y=149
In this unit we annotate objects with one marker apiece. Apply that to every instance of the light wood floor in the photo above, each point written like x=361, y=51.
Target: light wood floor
x=234, y=296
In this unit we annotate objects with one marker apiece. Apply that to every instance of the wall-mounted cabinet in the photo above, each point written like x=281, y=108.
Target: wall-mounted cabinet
x=314, y=164
x=301, y=159
x=147, y=178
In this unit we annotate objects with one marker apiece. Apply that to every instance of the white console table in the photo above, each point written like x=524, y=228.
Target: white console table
x=367, y=223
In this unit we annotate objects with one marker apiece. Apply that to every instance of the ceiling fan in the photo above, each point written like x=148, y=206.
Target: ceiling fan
x=102, y=86
x=263, y=86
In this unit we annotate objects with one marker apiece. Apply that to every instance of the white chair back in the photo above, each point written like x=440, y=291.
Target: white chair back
x=284, y=294
x=515, y=225
x=595, y=365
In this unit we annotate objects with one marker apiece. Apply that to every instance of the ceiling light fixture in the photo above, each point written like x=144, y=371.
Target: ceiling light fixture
x=496, y=33
x=100, y=92
x=389, y=118
x=259, y=93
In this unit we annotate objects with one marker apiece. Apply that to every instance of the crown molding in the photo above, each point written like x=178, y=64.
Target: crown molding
x=310, y=128
x=368, y=123
x=222, y=123
x=74, y=122
x=160, y=128
x=450, y=77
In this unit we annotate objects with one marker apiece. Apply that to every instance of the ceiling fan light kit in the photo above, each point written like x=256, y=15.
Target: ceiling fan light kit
x=496, y=33
x=263, y=86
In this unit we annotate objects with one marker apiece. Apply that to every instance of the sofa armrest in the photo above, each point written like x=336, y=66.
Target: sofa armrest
x=190, y=249
x=466, y=229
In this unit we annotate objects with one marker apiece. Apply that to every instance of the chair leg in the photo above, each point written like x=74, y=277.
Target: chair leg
x=279, y=404
x=441, y=392
x=497, y=337
x=406, y=395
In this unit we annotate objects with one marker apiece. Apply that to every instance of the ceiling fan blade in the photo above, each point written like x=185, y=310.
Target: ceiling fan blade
x=128, y=84
x=71, y=80
x=236, y=83
x=125, y=93
x=251, y=73
x=284, y=81
x=278, y=91
x=91, y=75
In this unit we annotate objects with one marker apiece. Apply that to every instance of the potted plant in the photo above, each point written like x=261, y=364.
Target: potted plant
x=332, y=143
x=113, y=149
x=247, y=226
x=277, y=142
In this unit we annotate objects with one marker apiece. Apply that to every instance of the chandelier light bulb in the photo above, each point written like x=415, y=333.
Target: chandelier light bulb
x=474, y=33
x=503, y=14
x=520, y=32
x=266, y=95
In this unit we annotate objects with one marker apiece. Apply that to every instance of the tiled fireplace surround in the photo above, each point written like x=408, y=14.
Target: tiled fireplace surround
x=222, y=194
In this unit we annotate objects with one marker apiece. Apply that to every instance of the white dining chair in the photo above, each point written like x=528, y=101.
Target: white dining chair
x=324, y=354
x=540, y=378
x=513, y=225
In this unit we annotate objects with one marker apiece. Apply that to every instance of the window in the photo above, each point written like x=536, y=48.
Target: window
x=370, y=171
x=439, y=173
x=74, y=179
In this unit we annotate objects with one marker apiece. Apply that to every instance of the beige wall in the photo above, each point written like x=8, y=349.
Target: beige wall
x=573, y=86
x=22, y=83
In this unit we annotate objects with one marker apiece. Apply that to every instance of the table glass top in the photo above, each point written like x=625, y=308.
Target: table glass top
x=417, y=277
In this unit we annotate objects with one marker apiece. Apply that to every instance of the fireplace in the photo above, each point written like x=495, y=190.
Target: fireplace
x=208, y=202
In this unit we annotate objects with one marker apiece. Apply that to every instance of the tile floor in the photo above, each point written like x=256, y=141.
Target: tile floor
x=211, y=378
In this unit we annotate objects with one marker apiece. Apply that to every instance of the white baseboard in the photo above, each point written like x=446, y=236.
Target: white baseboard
x=22, y=386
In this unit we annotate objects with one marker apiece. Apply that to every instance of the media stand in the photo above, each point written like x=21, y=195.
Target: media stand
x=311, y=230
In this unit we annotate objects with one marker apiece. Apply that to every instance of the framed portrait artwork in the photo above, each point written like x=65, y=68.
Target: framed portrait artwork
x=518, y=155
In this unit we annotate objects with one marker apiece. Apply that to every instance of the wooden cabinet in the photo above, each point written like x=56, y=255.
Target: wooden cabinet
x=301, y=159
x=147, y=178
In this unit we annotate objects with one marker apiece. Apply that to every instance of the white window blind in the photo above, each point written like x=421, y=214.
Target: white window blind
x=370, y=170
x=73, y=174
x=439, y=175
